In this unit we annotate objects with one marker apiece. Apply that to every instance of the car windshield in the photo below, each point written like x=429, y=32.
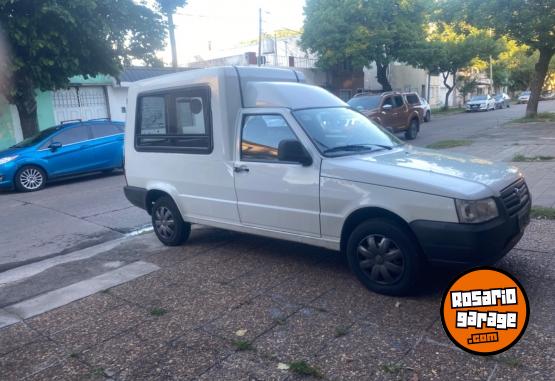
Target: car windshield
x=37, y=138
x=498, y=97
x=365, y=102
x=479, y=98
x=525, y=93
x=341, y=131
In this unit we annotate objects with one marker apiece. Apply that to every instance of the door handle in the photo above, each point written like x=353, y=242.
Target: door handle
x=241, y=168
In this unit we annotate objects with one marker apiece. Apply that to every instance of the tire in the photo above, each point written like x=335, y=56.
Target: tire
x=168, y=224
x=384, y=257
x=412, y=131
x=428, y=116
x=30, y=179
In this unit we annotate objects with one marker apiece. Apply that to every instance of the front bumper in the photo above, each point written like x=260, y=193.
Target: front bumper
x=469, y=244
x=7, y=174
x=479, y=108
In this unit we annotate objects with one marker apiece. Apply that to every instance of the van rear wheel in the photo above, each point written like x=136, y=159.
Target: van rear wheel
x=384, y=257
x=168, y=224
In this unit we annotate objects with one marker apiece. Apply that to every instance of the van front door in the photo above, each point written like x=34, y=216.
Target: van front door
x=274, y=194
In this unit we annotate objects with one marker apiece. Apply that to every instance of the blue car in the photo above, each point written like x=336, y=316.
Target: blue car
x=64, y=150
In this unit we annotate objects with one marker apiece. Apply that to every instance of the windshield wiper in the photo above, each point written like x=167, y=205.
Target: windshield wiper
x=357, y=147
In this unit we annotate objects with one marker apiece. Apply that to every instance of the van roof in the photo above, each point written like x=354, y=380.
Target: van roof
x=257, y=86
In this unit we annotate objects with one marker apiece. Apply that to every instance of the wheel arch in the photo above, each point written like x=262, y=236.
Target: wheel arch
x=363, y=214
x=151, y=196
x=40, y=166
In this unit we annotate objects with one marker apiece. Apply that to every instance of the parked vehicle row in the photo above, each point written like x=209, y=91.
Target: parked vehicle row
x=256, y=151
x=63, y=150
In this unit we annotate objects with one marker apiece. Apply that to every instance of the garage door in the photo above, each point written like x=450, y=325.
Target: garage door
x=80, y=103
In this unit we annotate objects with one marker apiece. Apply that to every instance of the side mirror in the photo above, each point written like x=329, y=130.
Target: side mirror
x=387, y=107
x=54, y=146
x=293, y=151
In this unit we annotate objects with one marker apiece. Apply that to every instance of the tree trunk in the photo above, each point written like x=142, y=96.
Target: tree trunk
x=449, y=90
x=538, y=79
x=382, y=76
x=28, y=118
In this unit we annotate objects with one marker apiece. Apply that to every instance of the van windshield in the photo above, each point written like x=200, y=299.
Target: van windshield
x=339, y=130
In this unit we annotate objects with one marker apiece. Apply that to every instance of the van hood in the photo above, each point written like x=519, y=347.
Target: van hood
x=426, y=171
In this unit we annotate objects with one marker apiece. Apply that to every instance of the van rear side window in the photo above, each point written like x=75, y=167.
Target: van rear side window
x=174, y=121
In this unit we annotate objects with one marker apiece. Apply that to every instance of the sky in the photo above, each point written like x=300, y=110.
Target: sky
x=223, y=24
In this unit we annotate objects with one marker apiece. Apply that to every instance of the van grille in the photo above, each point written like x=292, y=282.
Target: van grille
x=515, y=197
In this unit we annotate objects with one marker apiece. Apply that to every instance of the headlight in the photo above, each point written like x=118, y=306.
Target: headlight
x=7, y=159
x=473, y=212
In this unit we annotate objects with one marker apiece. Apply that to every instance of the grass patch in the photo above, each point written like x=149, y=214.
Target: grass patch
x=541, y=117
x=392, y=368
x=542, y=213
x=242, y=345
x=451, y=110
x=158, y=311
x=529, y=159
x=97, y=372
x=74, y=355
x=442, y=144
x=303, y=369
x=341, y=331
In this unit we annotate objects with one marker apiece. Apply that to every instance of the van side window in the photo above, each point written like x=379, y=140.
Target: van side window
x=261, y=136
x=413, y=99
x=398, y=101
x=175, y=121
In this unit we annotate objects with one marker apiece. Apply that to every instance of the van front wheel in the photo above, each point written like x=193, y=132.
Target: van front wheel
x=384, y=257
x=168, y=225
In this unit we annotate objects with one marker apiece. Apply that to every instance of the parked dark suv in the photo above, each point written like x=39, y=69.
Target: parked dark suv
x=390, y=110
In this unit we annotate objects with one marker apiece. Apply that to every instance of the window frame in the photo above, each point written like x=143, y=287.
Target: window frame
x=243, y=119
x=170, y=96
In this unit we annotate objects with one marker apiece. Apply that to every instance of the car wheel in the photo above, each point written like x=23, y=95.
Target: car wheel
x=30, y=179
x=384, y=257
x=412, y=131
x=168, y=224
x=428, y=116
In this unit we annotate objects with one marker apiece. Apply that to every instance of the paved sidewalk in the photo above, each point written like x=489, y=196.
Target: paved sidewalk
x=507, y=140
x=228, y=306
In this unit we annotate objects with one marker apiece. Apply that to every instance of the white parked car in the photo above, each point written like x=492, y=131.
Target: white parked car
x=524, y=97
x=255, y=150
x=481, y=103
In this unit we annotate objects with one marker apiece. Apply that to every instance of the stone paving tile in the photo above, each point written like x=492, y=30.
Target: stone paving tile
x=518, y=373
x=98, y=328
x=254, y=317
x=15, y=336
x=301, y=335
x=366, y=352
x=539, y=236
x=68, y=369
x=123, y=354
x=61, y=318
x=29, y=359
x=190, y=356
x=429, y=361
x=245, y=365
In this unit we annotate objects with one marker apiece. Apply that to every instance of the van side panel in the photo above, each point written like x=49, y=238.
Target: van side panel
x=339, y=198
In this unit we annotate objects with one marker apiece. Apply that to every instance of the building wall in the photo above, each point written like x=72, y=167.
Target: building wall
x=117, y=102
x=10, y=127
x=45, y=109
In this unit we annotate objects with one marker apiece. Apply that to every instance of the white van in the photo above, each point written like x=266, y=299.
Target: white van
x=255, y=150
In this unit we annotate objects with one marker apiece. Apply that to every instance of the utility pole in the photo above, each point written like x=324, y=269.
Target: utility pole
x=275, y=50
x=491, y=67
x=172, y=39
x=259, y=58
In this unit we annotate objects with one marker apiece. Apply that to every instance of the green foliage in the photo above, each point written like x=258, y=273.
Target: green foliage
x=528, y=22
x=52, y=40
x=355, y=33
x=543, y=213
x=169, y=6
x=304, y=369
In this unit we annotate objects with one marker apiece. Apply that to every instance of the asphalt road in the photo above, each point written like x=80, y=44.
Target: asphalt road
x=74, y=214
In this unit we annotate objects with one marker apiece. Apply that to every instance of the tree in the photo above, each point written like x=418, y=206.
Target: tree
x=168, y=7
x=529, y=22
x=355, y=33
x=52, y=40
x=450, y=48
x=466, y=85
